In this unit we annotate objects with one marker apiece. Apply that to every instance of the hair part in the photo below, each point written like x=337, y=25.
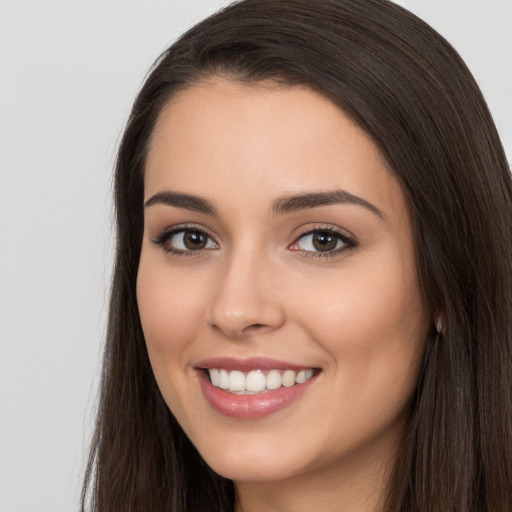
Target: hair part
x=410, y=91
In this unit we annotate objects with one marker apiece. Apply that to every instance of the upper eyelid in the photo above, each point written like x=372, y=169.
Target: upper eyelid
x=172, y=230
x=336, y=230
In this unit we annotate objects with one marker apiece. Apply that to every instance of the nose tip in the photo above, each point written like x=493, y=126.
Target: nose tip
x=239, y=322
x=244, y=304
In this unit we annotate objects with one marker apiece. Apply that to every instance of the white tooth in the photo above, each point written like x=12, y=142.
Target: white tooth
x=236, y=381
x=223, y=379
x=214, y=376
x=301, y=377
x=255, y=381
x=273, y=379
x=309, y=374
x=288, y=378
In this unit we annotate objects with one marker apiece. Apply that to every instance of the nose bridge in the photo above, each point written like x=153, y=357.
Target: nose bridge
x=245, y=300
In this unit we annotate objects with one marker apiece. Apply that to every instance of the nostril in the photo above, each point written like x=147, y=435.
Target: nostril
x=256, y=327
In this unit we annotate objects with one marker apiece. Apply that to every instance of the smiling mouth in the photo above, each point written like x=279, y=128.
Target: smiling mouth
x=257, y=381
x=253, y=388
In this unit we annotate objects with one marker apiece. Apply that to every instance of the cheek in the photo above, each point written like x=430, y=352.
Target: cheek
x=374, y=327
x=375, y=335
x=368, y=312
x=170, y=309
x=365, y=299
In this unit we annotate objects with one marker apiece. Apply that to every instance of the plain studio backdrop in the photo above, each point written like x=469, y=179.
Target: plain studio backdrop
x=69, y=71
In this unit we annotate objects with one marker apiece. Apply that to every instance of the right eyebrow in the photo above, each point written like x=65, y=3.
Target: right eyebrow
x=186, y=201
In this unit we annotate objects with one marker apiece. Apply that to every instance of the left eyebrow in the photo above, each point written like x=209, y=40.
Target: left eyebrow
x=309, y=200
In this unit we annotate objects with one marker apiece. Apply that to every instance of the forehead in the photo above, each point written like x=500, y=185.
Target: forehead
x=264, y=138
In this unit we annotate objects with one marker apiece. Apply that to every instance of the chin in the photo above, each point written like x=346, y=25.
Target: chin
x=255, y=470
x=253, y=461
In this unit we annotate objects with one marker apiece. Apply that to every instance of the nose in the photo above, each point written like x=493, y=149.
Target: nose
x=245, y=300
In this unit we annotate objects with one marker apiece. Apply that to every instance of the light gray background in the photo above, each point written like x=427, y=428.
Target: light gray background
x=69, y=71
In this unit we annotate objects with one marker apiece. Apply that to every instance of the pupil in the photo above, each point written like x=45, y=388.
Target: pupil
x=324, y=241
x=195, y=240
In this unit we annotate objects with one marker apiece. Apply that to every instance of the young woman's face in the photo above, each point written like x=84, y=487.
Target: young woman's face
x=278, y=262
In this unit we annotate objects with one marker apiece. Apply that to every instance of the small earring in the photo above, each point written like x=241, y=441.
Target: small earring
x=439, y=325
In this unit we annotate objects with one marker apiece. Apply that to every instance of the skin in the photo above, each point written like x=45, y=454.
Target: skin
x=260, y=289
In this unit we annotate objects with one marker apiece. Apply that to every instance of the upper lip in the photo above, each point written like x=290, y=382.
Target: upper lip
x=249, y=364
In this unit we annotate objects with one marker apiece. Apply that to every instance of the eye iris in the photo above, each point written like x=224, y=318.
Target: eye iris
x=194, y=240
x=324, y=241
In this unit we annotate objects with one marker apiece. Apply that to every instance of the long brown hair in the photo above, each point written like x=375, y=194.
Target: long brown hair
x=411, y=92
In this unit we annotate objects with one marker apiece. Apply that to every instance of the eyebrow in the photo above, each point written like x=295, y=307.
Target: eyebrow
x=308, y=200
x=186, y=201
x=281, y=206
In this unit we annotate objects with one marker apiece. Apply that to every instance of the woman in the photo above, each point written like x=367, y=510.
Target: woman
x=312, y=293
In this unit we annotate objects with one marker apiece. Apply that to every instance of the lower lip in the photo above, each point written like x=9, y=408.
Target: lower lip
x=251, y=406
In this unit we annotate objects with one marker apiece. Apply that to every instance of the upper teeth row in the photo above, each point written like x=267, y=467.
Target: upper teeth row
x=256, y=380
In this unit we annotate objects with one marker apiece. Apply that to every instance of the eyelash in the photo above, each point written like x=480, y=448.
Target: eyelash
x=166, y=235
x=163, y=238
x=348, y=241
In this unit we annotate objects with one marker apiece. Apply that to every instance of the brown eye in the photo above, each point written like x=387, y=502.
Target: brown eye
x=194, y=240
x=324, y=241
x=320, y=241
x=186, y=241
